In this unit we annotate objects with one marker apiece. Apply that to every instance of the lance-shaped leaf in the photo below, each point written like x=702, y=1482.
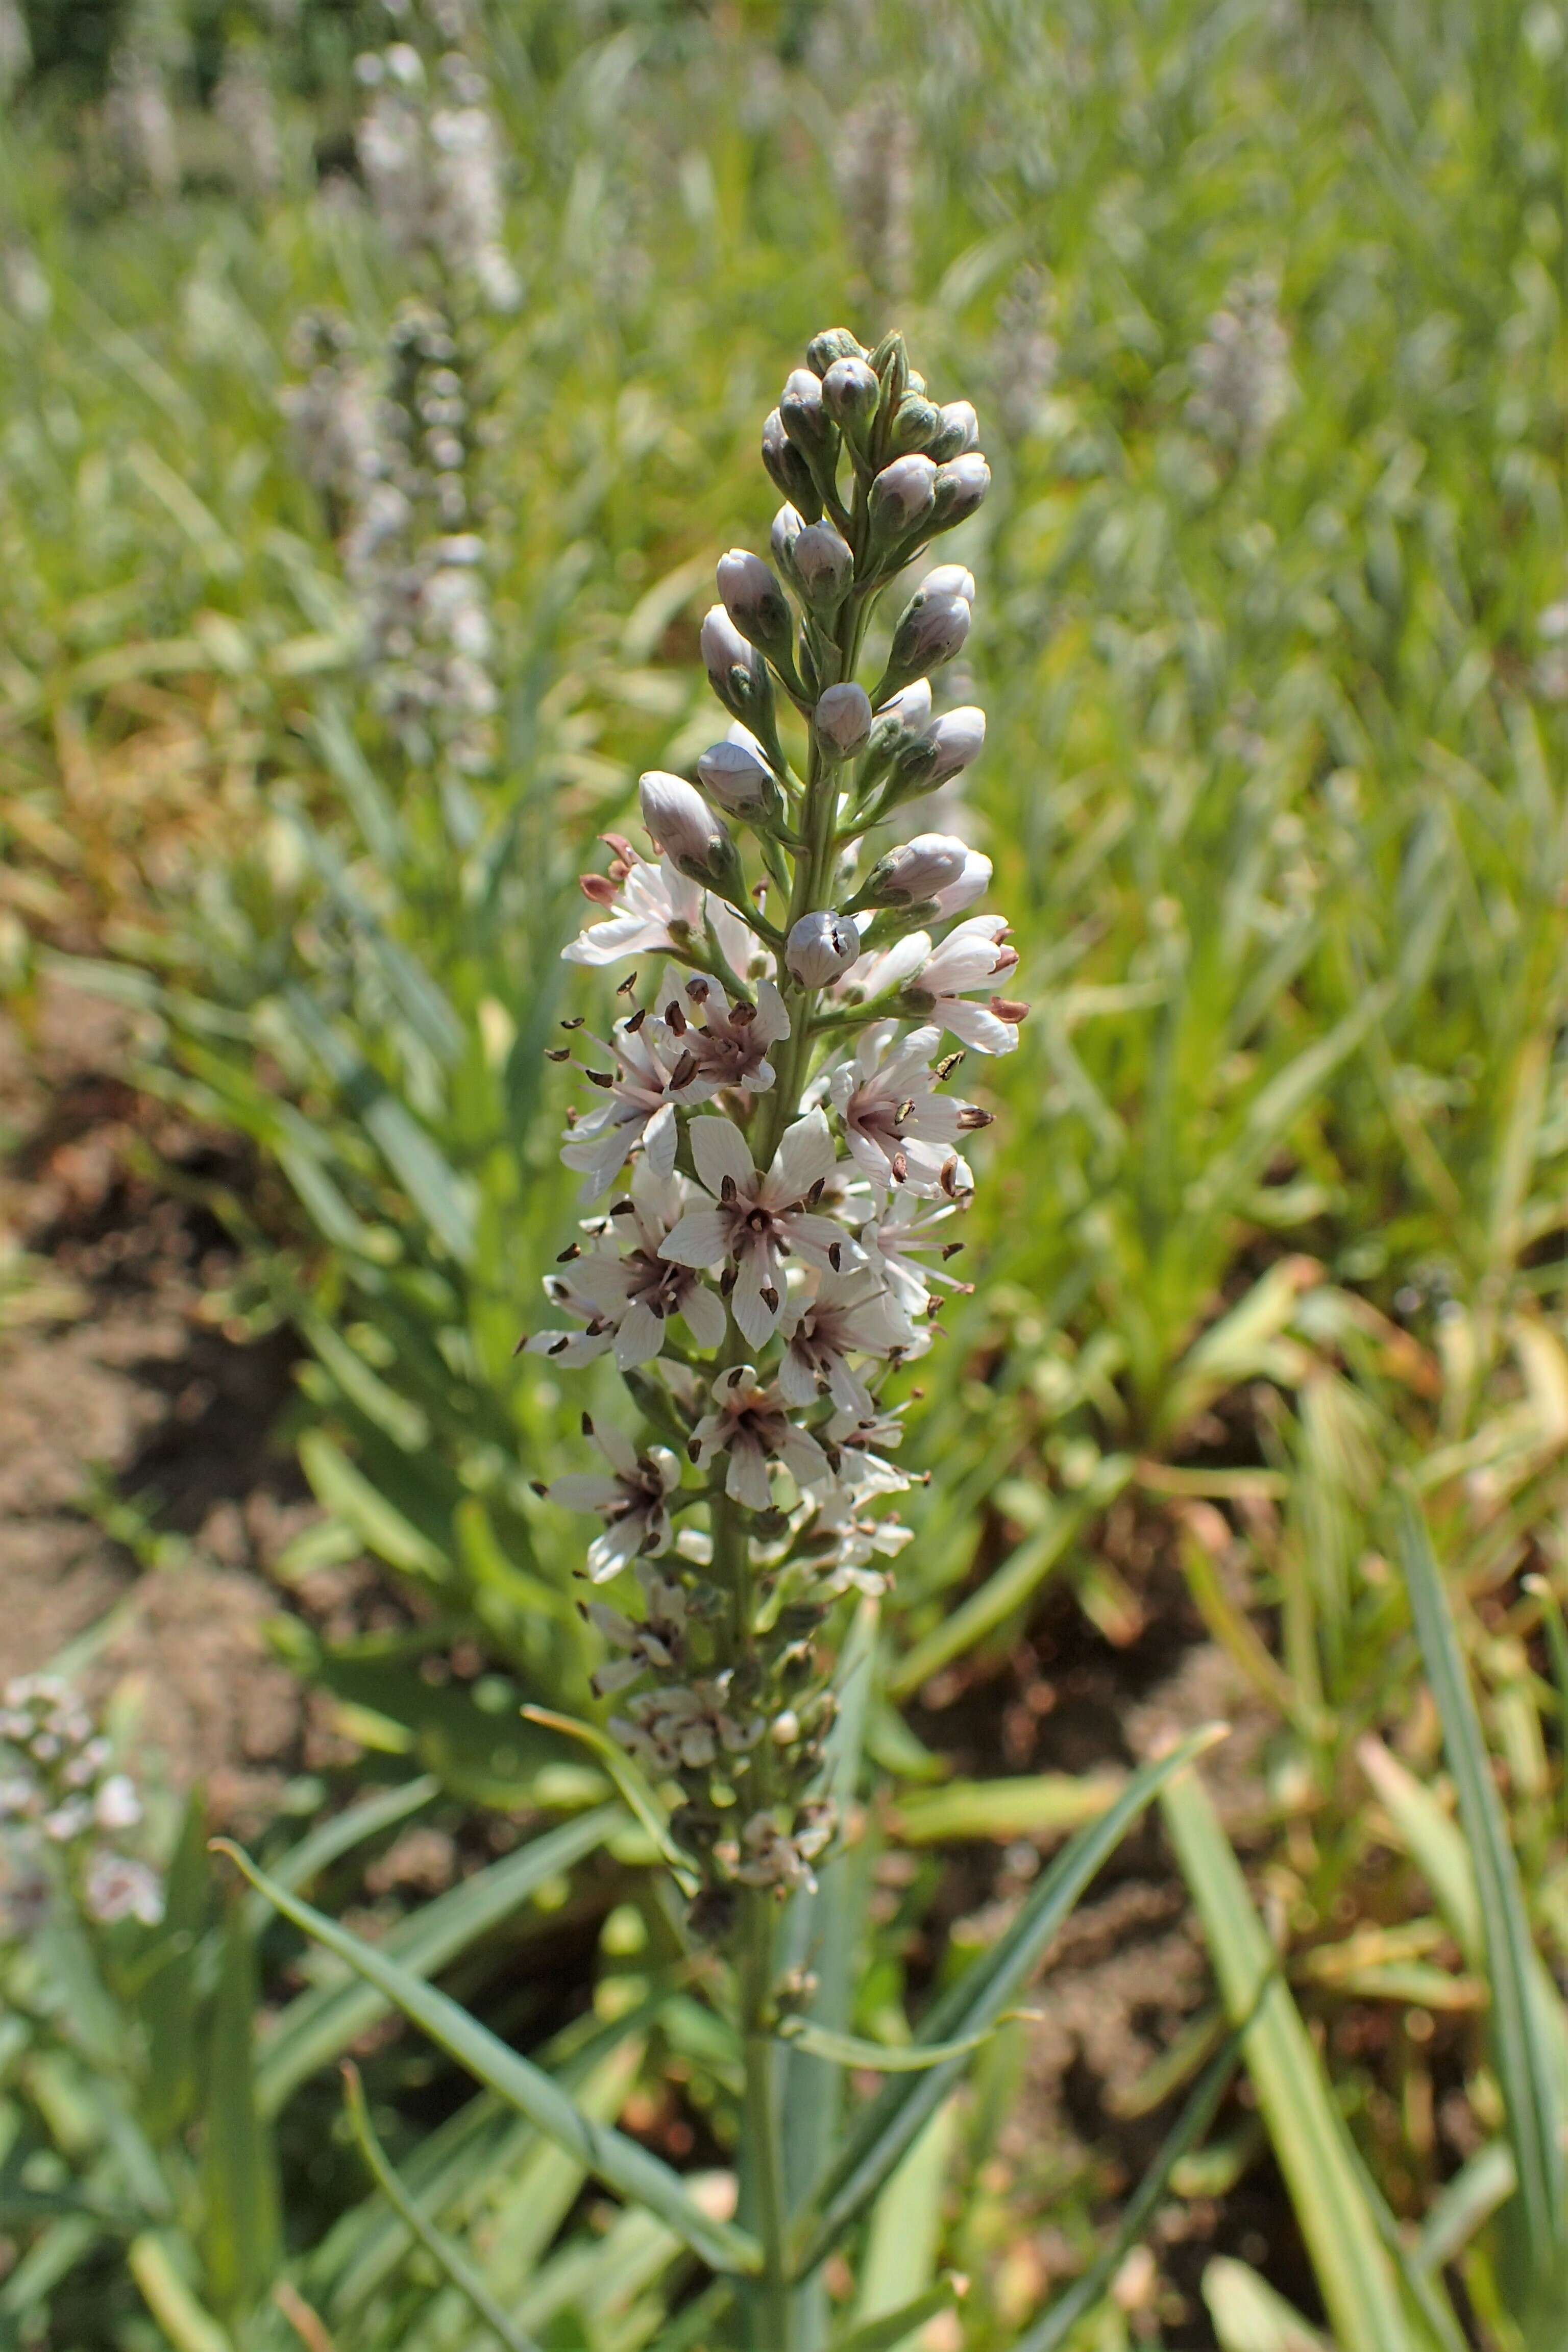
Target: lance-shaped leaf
x=899, y=2111
x=317, y=2026
x=1522, y=2045
x=1355, y=2274
x=608, y=2155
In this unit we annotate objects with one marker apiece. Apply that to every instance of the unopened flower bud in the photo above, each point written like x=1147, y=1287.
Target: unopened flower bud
x=823, y=565
x=957, y=430
x=971, y=884
x=805, y=419
x=910, y=709
x=835, y=343
x=787, y=526
x=950, y=580
x=737, y=776
x=788, y=468
x=753, y=600
x=957, y=738
x=820, y=948
x=931, y=630
x=851, y=392
x=902, y=496
x=843, y=719
x=736, y=671
x=683, y=825
x=959, y=486
x=917, y=420
x=915, y=871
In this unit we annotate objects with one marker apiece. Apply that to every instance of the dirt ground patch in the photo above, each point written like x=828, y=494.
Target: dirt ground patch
x=131, y=1423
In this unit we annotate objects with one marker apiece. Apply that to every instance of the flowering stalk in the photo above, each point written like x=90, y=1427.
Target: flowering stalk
x=779, y=1083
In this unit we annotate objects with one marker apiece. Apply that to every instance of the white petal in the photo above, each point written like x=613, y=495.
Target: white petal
x=719, y=1150
x=661, y=1137
x=702, y=1312
x=797, y=1383
x=747, y=1480
x=586, y=1490
x=616, y=1448
x=640, y=1338
x=806, y=1155
x=607, y=942
x=756, y=1319
x=978, y=1026
x=619, y=1544
x=813, y=1237
x=773, y=1020
x=700, y=1237
x=803, y=1458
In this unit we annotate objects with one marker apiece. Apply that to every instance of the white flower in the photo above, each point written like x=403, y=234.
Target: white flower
x=631, y=1500
x=119, y=1888
x=655, y=1643
x=896, y=1239
x=116, y=1805
x=973, y=954
x=639, y=1107
x=898, y=1128
x=723, y=1045
x=751, y=1424
x=820, y=948
x=685, y=1728
x=652, y=900
x=624, y=1291
x=755, y=1222
x=846, y=1315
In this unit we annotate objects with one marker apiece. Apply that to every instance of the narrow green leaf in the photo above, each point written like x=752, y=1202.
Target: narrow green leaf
x=1247, y=2314
x=437, y=2244
x=904, y=2232
x=341, y=1834
x=880, y=2057
x=1308, y=2136
x=318, y=2026
x=381, y=1527
x=240, y=2200
x=1463, y=2205
x=896, y=2327
x=1040, y=1804
x=1522, y=2054
x=894, y=2119
x=615, y=2161
x=188, y=2327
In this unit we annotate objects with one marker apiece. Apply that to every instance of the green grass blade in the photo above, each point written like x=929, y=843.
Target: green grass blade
x=1247, y=2314
x=241, y=2230
x=899, y=2113
x=1353, y=2273
x=880, y=2057
x=904, y=2232
x=1198, y=2113
x=320, y=2024
x=1525, y=2061
x=901, y=2326
x=437, y=2244
x=613, y=2158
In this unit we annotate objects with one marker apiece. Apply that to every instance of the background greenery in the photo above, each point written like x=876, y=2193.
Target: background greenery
x=1275, y=788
